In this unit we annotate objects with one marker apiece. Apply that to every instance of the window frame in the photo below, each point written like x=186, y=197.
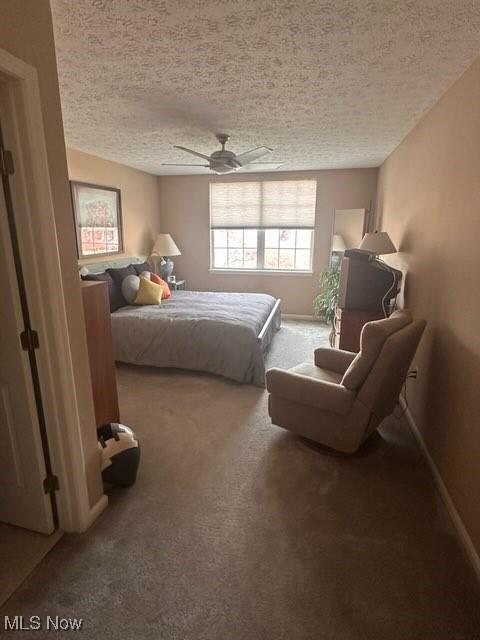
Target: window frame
x=260, y=268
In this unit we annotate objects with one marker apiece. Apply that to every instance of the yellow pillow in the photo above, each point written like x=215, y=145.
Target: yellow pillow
x=148, y=292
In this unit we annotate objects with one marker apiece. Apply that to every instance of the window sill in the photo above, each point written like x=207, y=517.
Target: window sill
x=260, y=272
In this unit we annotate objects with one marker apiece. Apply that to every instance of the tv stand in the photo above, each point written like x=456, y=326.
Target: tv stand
x=348, y=326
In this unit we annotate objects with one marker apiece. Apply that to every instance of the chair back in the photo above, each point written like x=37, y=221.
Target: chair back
x=382, y=386
x=373, y=337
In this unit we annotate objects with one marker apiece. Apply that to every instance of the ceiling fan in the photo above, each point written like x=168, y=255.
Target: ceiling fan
x=224, y=161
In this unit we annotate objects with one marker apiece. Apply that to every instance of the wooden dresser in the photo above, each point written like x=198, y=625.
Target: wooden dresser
x=348, y=326
x=100, y=351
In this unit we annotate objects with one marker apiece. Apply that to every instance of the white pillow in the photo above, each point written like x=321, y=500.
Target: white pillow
x=146, y=275
x=130, y=286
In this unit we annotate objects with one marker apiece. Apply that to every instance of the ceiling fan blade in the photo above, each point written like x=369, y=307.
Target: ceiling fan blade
x=277, y=164
x=262, y=166
x=194, y=153
x=223, y=173
x=183, y=164
x=252, y=155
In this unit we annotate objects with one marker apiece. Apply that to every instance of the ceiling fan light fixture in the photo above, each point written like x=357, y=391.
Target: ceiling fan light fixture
x=224, y=161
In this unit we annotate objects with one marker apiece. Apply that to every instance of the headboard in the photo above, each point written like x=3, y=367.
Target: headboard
x=113, y=263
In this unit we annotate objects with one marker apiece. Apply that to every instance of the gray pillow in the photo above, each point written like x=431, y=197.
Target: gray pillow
x=130, y=286
x=139, y=268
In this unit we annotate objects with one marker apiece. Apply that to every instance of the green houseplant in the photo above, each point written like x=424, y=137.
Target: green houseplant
x=325, y=303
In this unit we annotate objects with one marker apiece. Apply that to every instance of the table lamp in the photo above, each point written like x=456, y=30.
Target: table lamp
x=338, y=244
x=378, y=243
x=165, y=247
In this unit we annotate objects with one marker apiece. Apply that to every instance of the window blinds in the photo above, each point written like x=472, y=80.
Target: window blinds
x=272, y=204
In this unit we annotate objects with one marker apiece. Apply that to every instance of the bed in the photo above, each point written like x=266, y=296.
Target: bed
x=223, y=333
x=227, y=334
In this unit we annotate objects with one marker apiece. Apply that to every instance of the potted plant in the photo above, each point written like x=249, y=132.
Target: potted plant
x=325, y=304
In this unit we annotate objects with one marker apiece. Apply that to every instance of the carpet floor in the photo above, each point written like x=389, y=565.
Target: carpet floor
x=238, y=530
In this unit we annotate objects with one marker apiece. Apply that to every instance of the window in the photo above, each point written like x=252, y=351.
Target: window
x=288, y=249
x=235, y=248
x=265, y=226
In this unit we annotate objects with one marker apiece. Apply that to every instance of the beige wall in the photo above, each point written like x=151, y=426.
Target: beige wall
x=184, y=210
x=140, y=198
x=26, y=32
x=429, y=202
x=349, y=225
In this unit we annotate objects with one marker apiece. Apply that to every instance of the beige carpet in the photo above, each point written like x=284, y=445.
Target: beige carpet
x=239, y=530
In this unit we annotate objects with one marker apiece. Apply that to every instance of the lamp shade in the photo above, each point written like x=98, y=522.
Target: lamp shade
x=378, y=243
x=338, y=243
x=165, y=246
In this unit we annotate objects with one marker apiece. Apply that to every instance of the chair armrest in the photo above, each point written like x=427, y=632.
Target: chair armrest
x=334, y=359
x=324, y=395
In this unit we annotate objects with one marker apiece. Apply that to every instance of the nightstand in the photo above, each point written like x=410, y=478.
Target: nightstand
x=179, y=285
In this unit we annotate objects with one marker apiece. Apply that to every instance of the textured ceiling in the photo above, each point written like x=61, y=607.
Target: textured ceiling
x=327, y=84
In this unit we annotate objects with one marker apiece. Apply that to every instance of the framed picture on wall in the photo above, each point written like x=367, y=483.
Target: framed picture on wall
x=98, y=219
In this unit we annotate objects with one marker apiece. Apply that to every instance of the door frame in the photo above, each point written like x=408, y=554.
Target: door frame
x=40, y=255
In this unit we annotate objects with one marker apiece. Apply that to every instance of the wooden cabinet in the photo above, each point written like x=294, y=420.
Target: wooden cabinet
x=348, y=326
x=100, y=351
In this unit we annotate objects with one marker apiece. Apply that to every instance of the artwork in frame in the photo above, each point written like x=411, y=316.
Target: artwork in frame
x=98, y=219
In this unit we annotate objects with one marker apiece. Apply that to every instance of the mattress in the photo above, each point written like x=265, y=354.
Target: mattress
x=203, y=331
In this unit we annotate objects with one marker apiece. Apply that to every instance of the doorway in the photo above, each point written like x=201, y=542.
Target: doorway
x=69, y=435
x=26, y=478
x=28, y=511
x=26, y=499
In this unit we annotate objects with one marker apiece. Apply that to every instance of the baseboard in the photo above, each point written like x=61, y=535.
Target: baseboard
x=462, y=533
x=96, y=510
x=297, y=316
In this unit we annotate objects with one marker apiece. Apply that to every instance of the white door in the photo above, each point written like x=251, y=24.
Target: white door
x=23, y=501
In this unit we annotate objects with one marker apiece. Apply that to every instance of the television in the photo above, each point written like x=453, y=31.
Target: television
x=366, y=283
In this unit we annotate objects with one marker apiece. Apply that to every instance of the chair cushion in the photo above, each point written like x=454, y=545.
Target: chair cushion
x=372, y=339
x=307, y=369
x=296, y=385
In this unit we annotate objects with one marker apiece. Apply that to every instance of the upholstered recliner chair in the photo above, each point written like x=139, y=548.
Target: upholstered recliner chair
x=342, y=398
